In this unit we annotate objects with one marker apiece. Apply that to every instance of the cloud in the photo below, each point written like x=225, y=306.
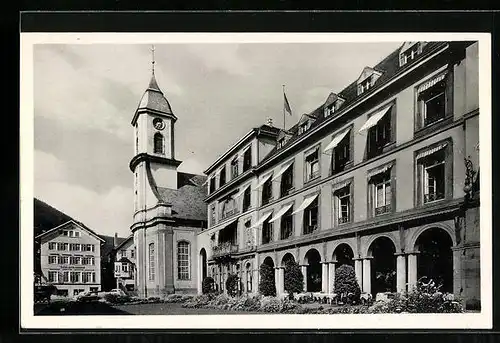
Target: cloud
x=106, y=213
x=83, y=86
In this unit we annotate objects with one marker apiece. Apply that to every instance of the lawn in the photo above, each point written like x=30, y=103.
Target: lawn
x=172, y=309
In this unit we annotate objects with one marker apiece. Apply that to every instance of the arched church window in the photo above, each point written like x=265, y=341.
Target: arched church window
x=183, y=261
x=158, y=143
x=151, y=261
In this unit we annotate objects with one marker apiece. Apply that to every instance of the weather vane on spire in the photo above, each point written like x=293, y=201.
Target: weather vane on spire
x=153, y=58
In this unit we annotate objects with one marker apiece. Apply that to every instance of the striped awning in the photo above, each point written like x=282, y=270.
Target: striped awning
x=307, y=201
x=280, y=213
x=431, y=151
x=380, y=170
x=374, y=119
x=341, y=185
x=431, y=83
x=283, y=169
x=263, y=181
x=242, y=190
x=338, y=138
x=261, y=220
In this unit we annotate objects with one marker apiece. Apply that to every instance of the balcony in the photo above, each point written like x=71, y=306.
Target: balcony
x=310, y=229
x=382, y=209
x=229, y=213
x=225, y=249
x=433, y=197
x=343, y=220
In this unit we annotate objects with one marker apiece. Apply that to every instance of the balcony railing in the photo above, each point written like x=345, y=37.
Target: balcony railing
x=313, y=175
x=343, y=220
x=433, y=197
x=382, y=209
x=284, y=191
x=224, y=249
x=229, y=213
x=310, y=229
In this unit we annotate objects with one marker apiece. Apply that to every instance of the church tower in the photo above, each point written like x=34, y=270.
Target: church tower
x=155, y=169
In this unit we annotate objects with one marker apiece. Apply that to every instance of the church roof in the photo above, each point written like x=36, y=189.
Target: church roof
x=187, y=200
x=153, y=98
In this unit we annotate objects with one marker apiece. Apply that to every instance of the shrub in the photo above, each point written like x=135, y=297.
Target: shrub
x=177, y=298
x=114, y=298
x=232, y=284
x=267, y=285
x=270, y=304
x=207, y=286
x=424, y=298
x=346, y=285
x=294, y=280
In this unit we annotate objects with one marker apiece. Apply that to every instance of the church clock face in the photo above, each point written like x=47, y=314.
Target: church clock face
x=158, y=124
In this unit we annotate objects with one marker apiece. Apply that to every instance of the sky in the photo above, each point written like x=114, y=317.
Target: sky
x=85, y=96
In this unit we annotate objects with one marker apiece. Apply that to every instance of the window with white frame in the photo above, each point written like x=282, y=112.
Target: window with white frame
x=329, y=110
x=410, y=54
x=222, y=176
x=312, y=164
x=343, y=202
x=86, y=277
x=53, y=276
x=381, y=193
x=74, y=247
x=125, y=267
x=311, y=217
x=234, y=168
x=304, y=127
x=286, y=184
x=65, y=275
x=432, y=100
x=52, y=245
x=431, y=174
x=267, y=232
x=151, y=262
x=74, y=277
x=247, y=159
x=365, y=85
x=52, y=259
x=62, y=246
x=287, y=224
x=63, y=259
x=183, y=272
x=267, y=191
x=75, y=260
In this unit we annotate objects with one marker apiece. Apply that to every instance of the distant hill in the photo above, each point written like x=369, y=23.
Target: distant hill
x=47, y=217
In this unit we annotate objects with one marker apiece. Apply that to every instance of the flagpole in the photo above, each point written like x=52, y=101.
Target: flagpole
x=284, y=120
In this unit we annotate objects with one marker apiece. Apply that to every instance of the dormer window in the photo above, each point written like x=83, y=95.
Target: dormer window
x=367, y=79
x=303, y=127
x=365, y=85
x=281, y=142
x=409, y=51
x=329, y=110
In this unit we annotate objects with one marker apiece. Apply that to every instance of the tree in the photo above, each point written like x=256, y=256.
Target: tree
x=232, y=284
x=346, y=285
x=294, y=279
x=267, y=286
x=207, y=286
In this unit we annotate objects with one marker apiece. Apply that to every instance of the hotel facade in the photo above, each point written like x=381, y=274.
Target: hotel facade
x=382, y=176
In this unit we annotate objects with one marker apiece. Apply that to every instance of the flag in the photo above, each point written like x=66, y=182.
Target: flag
x=287, y=105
